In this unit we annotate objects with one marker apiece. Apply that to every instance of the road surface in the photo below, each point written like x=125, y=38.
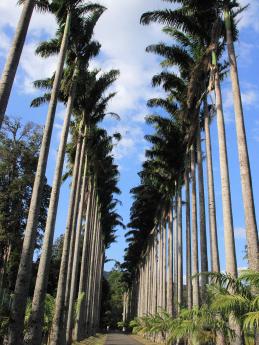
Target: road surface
x=120, y=339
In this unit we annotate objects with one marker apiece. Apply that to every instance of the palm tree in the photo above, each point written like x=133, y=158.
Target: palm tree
x=79, y=330
x=245, y=171
x=82, y=184
x=14, y=56
x=203, y=237
x=195, y=258
x=170, y=292
x=188, y=237
x=82, y=46
x=179, y=250
x=215, y=264
x=22, y=281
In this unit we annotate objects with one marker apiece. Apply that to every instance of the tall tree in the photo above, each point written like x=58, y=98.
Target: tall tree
x=14, y=56
x=245, y=171
x=83, y=51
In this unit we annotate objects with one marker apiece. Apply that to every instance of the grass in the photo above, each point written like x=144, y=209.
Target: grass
x=99, y=339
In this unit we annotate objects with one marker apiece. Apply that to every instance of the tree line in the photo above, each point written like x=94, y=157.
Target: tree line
x=57, y=297
x=211, y=307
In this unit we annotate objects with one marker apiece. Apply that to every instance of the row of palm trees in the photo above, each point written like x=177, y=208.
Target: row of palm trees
x=200, y=32
x=92, y=216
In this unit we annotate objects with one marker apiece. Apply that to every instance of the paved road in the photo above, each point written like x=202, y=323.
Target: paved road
x=120, y=339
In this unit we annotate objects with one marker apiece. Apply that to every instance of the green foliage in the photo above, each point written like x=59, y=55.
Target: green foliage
x=49, y=308
x=55, y=262
x=5, y=302
x=19, y=151
x=112, y=306
x=227, y=297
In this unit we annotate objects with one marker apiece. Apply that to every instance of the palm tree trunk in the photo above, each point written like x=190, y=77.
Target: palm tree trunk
x=203, y=236
x=98, y=291
x=161, y=253
x=91, y=265
x=179, y=251
x=76, y=254
x=230, y=251
x=175, y=257
x=170, y=290
x=25, y=267
x=215, y=265
x=164, y=262
x=231, y=265
x=60, y=311
x=93, y=283
x=79, y=332
x=245, y=172
x=188, y=240
x=35, y=331
x=12, y=63
x=90, y=230
x=195, y=257
x=156, y=283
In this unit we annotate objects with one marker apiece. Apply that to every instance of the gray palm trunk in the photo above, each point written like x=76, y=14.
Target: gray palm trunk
x=230, y=251
x=73, y=225
x=195, y=257
x=34, y=335
x=231, y=265
x=98, y=291
x=161, y=259
x=156, y=274
x=76, y=255
x=147, y=284
x=91, y=265
x=93, y=284
x=152, y=300
x=11, y=66
x=175, y=257
x=179, y=251
x=245, y=171
x=164, y=262
x=89, y=229
x=203, y=236
x=89, y=226
x=170, y=291
x=188, y=240
x=79, y=327
x=25, y=267
x=57, y=324
x=214, y=252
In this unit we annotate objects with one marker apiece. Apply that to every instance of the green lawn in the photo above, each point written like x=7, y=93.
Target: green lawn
x=99, y=339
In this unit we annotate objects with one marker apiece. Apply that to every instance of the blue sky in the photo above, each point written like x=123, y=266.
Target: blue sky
x=123, y=42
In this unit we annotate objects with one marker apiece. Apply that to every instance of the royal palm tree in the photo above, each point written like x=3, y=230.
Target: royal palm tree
x=84, y=48
x=70, y=17
x=245, y=171
x=14, y=56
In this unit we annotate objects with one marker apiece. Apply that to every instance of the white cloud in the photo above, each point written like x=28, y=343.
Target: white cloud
x=41, y=23
x=42, y=26
x=131, y=143
x=249, y=96
x=34, y=67
x=123, y=46
x=249, y=18
x=240, y=233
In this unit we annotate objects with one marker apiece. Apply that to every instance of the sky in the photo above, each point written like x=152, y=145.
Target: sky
x=123, y=42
